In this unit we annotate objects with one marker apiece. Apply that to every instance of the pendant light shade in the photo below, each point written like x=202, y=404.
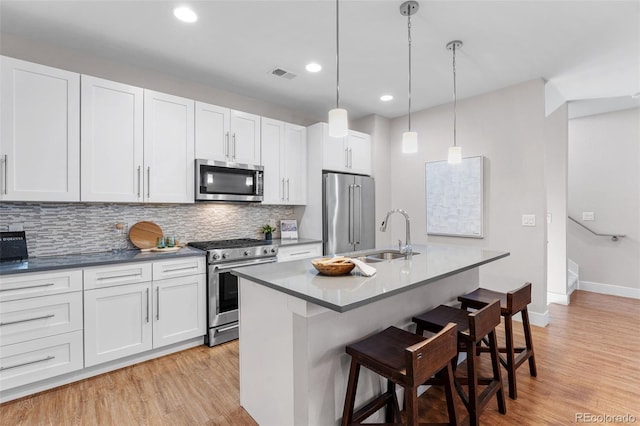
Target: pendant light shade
x=338, y=119
x=410, y=142
x=338, y=123
x=455, y=152
x=409, y=138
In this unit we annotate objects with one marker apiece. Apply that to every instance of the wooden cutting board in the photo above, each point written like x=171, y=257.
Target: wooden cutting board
x=144, y=235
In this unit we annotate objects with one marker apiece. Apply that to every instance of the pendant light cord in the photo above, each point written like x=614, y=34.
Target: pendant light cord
x=337, y=55
x=455, y=98
x=409, y=39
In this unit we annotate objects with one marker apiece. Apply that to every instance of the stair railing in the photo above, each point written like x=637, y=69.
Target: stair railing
x=614, y=237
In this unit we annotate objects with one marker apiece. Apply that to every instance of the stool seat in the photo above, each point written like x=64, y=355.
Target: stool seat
x=472, y=328
x=405, y=359
x=511, y=303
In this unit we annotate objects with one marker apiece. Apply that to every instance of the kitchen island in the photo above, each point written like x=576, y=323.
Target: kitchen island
x=295, y=324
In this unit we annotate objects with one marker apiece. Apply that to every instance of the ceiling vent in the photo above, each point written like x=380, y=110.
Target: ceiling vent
x=279, y=72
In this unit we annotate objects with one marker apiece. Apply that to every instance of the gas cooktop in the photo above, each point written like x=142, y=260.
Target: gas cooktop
x=226, y=244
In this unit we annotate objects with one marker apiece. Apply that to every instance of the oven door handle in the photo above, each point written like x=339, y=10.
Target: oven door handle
x=222, y=268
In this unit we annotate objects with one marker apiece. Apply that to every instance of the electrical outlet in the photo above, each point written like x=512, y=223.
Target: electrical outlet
x=528, y=220
x=588, y=216
x=16, y=227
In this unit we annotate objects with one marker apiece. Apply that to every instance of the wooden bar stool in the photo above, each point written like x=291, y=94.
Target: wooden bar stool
x=510, y=304
x=405, y=359
x=472, y=327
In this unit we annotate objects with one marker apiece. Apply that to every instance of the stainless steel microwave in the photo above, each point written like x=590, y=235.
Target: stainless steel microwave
x=221, y=181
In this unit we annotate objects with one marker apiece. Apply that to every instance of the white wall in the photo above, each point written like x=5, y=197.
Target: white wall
x=556, y=139
x=508, y=128
x=84, y=63
x=604, y=178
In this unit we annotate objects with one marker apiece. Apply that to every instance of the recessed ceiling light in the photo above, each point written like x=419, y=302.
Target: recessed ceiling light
x=185, y=14
x=386, y=98
x=313, y=67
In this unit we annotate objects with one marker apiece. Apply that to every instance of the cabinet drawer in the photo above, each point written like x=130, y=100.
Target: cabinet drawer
x=109, y=276
x=303, y=251
x=178, y=268
x=40, y=359
x=20, y=286
x=37, y=317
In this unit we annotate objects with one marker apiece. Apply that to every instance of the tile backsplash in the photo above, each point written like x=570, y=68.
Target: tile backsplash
x=71, y=228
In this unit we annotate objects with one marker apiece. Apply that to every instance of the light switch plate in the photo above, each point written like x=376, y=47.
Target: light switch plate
x=528, y=220
x=588, y=216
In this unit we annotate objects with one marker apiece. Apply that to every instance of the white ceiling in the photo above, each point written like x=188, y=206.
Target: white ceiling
x=587, y=49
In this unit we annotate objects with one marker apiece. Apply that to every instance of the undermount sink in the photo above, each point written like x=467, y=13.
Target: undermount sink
x=382, y=255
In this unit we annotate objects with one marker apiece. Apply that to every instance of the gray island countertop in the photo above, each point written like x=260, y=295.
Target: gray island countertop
x=430, y=262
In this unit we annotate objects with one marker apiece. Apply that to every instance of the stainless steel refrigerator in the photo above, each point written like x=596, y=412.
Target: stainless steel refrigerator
x=348, y=213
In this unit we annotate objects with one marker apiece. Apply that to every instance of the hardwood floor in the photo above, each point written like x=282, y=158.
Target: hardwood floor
x=587, y=362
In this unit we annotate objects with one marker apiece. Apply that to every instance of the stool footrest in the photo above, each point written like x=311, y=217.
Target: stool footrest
x=372, y=407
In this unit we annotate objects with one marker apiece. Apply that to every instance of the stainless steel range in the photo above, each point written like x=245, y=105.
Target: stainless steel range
x=222, y=287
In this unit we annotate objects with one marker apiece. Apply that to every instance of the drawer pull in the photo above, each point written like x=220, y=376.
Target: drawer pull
x=184, y=268
x=27, y=363
x=31, y=286
x=27, y=320
x=300, y=253
x=118, y=276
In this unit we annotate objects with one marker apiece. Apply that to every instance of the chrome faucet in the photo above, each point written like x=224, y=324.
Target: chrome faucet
x=406, y=249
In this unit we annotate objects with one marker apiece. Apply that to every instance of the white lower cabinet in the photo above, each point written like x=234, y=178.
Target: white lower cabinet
x=128, y=319
x=117, y=322
x=299, y=251
x=40, y=359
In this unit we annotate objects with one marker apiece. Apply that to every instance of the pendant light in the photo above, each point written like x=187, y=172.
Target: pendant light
x=338, y=121
x=409, y=138
x=455, y=152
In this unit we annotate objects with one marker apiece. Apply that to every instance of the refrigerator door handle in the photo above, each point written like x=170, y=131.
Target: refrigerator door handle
x=359, y=214
x=351, y=214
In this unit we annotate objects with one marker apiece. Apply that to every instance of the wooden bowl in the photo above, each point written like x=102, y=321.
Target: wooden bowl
x=333, y=266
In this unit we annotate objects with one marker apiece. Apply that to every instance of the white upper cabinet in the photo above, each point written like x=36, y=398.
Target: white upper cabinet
x=168, y=148
x=212, y=131
x=284, y=157
x=40, y=135
x=227, y=135
x=350, y=154
x=112, y=141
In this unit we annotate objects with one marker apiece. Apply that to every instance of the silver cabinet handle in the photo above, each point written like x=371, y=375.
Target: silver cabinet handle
x=111, y=277
x=346, y=157
x=183, y=268
x=147, y=318
x=139, y=178
x=350, y=158
x=27, y=320
x=234, y=146
x=288, y=190
x=282, y=197
x=24, y=288
x=226, y=145
x=5, y=166
x=27, y=363
x=157, y=303
x=148, y=181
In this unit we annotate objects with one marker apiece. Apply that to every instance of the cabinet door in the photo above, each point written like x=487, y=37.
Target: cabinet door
x=294, y=161
x=302, y=251
x=40, y=135
x=111, y=140
x=359, y=153
x=272, y=139
x=168, y=148
x=334, y=152
x=117, y=322
x=245, y=138
x=179, y=309
x=212, y=132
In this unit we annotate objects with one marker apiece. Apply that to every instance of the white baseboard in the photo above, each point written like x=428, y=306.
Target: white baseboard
x=560, y=299
x=614, y=290
x=539, y=319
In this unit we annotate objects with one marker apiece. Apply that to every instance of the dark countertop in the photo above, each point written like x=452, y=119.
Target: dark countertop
x=50, y=263
x=70, y=261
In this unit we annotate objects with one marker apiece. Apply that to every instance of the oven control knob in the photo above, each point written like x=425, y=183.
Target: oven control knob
x=216, y=256
x=266, y=251
x=273, y=250
x=224, y=255
x=246, y=253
